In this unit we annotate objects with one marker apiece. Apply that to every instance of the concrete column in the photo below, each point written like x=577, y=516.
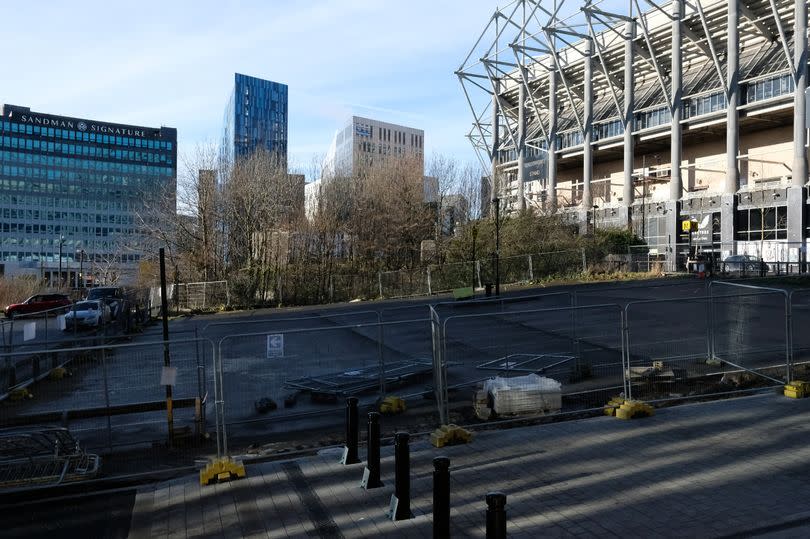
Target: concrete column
x=496, y=183
x=629, y=119
x=796, y=192
x=521, y=149
x=552, y=145
x=728, y=200
x=675, y=184
x=587, y=157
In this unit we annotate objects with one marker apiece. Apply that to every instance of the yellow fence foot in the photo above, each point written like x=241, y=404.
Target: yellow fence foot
x=450, y=435
x=797, y=389
x=634, y=409
x=221, y=470
x=392, y=405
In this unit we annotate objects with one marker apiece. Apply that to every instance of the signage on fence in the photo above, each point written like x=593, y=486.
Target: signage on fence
x=275, y=345
x=60, y=322
x=168, y=376
x=30, y=331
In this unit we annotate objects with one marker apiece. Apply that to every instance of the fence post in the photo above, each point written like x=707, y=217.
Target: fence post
x=531, y=270
x=789, y=336
x=371, y=475
x=430, y=287
x=441, y=497
x=584, y=261
x=379, y=282
x=496, y=515
x=352, y=432
x=400, y=508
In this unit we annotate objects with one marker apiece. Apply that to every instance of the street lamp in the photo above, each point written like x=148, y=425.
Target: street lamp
x=61, y=243
x=80, y=279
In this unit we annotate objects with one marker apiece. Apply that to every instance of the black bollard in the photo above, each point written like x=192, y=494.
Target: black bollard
x=400, y=508
x=441, y=497
x=496, y=515
x=371, y=475
x=352, y=432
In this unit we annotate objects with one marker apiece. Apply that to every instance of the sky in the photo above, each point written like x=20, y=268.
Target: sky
x=155, y=63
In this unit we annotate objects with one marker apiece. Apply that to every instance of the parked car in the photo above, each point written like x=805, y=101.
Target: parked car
x=745, y=264
x=88, y=313
x=113, y=296
x=38, y=304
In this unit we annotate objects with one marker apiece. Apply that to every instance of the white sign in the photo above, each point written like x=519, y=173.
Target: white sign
x=275, y=345
x=60, y=322
x=168, y=376
x=30, y=331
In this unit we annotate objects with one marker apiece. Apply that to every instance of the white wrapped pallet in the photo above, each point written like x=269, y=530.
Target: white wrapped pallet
x=530, y=394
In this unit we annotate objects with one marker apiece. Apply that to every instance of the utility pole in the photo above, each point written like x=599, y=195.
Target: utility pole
x=61, y=243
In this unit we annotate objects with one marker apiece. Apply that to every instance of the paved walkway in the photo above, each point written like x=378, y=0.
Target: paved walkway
x=723, y=469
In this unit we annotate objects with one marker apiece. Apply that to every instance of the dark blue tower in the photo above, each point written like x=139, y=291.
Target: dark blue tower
x=257, y=115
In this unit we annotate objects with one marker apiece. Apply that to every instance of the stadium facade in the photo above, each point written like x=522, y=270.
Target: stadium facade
x=583, y=108
x=73, y=193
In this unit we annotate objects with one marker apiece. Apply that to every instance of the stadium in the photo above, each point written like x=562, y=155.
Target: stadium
x=649, y=114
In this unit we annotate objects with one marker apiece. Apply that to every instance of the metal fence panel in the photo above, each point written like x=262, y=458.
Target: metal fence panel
x=277, y=383
x=112, y=399
x=405, y=283
x=578, y=348
x=704, y=345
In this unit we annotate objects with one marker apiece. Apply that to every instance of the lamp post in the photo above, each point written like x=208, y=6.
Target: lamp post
x=497, y=202
x=61, y=243
x=474, y=234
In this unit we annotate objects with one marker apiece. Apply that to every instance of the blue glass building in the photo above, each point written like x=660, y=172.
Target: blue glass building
x=72, y=190
x=256, y=117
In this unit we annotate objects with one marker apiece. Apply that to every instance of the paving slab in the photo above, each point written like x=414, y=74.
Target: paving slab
x=730, y=468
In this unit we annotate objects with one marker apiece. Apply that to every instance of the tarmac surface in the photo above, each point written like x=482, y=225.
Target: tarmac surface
x=730, y=468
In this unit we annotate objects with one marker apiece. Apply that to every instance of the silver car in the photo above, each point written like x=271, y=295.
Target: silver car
x=88, y=313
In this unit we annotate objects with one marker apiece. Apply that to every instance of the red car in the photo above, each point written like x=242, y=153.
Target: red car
x=37, y=304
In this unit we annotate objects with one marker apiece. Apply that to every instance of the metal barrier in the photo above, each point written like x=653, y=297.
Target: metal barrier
x=757, y=328
x=800, y=321
x=677, y=348
x=578, y=348
x=267, y=379
x=112, y=397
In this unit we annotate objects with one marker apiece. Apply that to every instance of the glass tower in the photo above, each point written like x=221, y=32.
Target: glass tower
x=257, y=117
x=71, y=191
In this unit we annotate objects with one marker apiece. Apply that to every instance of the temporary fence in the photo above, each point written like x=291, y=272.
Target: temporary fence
x=800, y=321
x=734, y=338
x=269, y=378
x=113, y=400
x=37, y=333
x=578, y=348
x=201, y=295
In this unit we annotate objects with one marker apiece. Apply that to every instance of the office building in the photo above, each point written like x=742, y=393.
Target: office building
x=72, y=191
x=364, y=142
x=689, y=111
x=256, y=118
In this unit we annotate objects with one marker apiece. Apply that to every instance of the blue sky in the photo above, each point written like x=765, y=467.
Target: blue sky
x=172, y=63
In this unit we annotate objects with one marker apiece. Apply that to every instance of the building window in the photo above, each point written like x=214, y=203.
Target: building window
x=758, y=224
